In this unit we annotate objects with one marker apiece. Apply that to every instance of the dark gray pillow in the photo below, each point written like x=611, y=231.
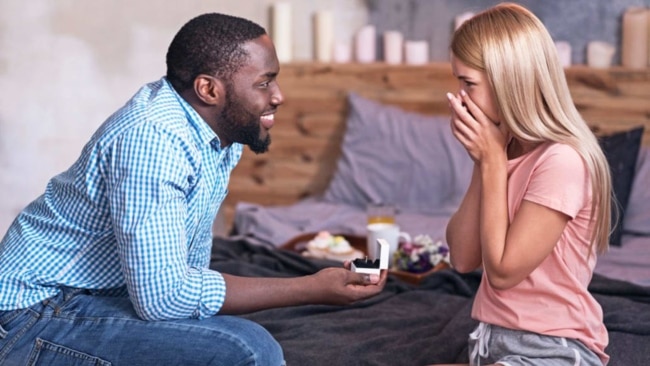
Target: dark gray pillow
x=406, y=159
x=621, y=150
x=637, y=213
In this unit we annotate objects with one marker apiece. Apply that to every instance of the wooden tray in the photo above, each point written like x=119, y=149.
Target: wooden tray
x=299, y=244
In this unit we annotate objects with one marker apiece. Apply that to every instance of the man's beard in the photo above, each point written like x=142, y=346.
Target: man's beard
x=241, y=126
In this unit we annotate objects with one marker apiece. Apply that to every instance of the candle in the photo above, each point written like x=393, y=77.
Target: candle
x=342, y=52
x=648, y=20
x=323, y=36
x=599, y=54
x=416, y=52
x=634, y=51
x=461, y=18
x=364, y=46
x=564, y=53
x=393, y=45
x=281, y=30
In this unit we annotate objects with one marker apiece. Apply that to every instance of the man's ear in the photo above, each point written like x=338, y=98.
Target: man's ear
x=209, y=89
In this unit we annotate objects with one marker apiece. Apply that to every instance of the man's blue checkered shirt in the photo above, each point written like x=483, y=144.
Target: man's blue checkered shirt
x=135, y=211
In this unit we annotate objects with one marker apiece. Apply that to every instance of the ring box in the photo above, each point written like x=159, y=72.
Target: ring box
x=369, y=266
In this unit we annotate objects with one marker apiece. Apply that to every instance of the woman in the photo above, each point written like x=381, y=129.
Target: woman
x=538, y=206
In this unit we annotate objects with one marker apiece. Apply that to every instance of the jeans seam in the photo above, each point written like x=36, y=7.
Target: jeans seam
x=11, y=315
x=12, y=341
x=45, y=345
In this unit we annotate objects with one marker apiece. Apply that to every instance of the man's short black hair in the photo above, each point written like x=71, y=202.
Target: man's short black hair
x=209, y=44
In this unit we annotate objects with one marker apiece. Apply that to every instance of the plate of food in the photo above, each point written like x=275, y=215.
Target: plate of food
x=342, y=247
x=326, y=245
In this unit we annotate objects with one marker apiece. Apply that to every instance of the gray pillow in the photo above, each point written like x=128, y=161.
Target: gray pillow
x=637, y=215
x=621, y=150
x=402, y=158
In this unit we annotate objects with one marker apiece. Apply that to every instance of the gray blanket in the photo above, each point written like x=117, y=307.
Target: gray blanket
x=405, y=324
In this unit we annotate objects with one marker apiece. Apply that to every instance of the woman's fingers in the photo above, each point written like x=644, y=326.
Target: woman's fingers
x=456, y=105
x=469, y=106
x=461, y=121
x=471, y=127
x=474, y=110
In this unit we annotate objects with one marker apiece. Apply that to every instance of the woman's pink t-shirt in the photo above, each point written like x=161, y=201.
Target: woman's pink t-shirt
x=553, y=299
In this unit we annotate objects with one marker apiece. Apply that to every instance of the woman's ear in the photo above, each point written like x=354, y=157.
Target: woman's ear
x=209, y=89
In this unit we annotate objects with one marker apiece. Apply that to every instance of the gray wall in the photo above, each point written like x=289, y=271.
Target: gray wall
x=576, y=21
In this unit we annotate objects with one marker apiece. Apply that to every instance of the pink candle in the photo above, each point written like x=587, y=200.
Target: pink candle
x=599, y=54
x=461, y=18
x=393, y=45
x=564, y=53
x=342, y=52
x=416, y=52
x=365, y=45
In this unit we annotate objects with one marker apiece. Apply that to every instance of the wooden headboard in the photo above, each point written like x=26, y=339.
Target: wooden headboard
x=311, y=122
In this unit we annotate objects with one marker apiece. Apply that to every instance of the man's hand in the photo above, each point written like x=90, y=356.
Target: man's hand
x=340, y=286
x=329, y=286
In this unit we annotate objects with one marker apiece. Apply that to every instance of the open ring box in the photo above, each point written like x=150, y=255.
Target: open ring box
x=370, y=266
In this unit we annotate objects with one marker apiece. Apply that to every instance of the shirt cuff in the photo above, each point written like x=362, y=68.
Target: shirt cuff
x=213, y=294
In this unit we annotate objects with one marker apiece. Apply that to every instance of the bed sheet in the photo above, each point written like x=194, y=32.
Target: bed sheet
x=406, y=324
x=629, y=262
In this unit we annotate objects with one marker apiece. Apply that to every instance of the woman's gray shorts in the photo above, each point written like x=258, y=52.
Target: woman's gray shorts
x=490, y=344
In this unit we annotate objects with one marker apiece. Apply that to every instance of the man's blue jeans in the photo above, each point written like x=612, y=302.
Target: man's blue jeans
x=75, y=328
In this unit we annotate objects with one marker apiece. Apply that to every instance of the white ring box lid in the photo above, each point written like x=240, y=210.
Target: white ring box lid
x=384, y=248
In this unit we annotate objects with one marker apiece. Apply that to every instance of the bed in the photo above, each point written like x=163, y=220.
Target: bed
x=390, y=154
x=408, y=324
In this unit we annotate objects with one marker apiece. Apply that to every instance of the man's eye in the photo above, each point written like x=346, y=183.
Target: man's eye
x=265, y=84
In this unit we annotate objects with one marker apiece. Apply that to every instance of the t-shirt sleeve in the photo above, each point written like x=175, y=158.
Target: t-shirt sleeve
x=560, y=181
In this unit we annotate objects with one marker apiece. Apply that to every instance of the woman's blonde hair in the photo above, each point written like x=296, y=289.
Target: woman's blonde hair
x=512, y=46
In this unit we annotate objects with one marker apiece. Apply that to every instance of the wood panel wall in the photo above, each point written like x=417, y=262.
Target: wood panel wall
x=310, y=124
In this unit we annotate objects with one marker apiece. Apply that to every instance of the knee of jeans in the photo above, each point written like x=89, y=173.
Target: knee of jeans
x=265, y=348
x=241, y=341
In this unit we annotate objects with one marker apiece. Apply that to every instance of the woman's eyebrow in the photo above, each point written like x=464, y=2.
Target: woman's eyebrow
x=464, y=78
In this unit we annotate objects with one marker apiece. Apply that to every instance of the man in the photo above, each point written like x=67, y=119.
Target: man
x=110, y=264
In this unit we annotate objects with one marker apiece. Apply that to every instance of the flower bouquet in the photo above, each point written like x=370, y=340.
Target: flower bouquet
x=420, y=255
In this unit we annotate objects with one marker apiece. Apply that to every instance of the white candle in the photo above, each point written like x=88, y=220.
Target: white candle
x=564, y=53
x=323, y=36
x=393, y=47
x=342, y=52
x=648, y=20
x=364, y=46
x=416, y=52
x=599, y=54
x=281, y=30
x=461, y=18
x=634, y=50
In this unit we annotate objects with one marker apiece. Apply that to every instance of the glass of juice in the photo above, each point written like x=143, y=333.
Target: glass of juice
x=380, y=213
